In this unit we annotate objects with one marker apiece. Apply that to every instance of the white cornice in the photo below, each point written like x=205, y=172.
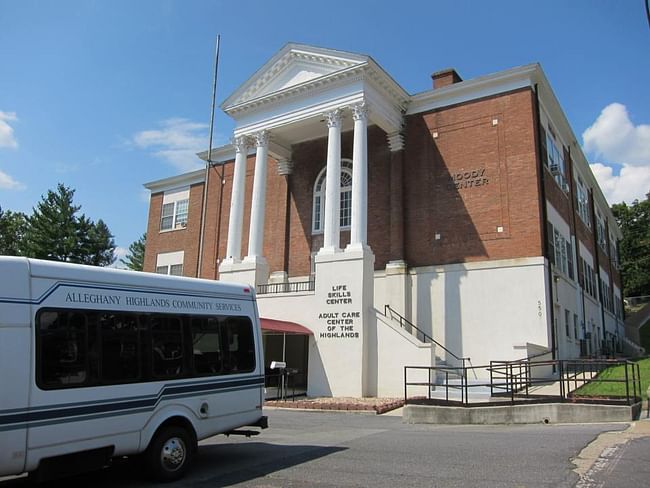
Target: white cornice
x=177, y=181
x=219, y=154
x=482, y=86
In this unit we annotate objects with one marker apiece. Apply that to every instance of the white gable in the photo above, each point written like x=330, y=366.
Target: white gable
x=293, y=65
x=293, y=75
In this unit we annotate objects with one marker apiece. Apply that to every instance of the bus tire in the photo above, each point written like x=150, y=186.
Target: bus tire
x=169, y=454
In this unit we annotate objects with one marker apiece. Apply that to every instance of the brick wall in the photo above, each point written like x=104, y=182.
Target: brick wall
x=186, y=239
x=470, y=171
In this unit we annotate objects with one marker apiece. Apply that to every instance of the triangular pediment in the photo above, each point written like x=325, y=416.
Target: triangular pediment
x=293, y=65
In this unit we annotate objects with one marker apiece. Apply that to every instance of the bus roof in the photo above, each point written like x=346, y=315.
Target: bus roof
x=38, y=268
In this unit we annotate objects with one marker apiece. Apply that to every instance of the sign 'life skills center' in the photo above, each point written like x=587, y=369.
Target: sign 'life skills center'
x=340, y=324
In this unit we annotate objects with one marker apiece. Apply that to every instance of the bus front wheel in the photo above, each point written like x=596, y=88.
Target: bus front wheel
x=169, y=453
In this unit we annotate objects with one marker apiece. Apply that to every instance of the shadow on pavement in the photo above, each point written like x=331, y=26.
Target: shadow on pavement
x=215, y=465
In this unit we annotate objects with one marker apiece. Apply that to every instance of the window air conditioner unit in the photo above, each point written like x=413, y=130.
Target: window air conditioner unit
x=565, y=187
x=555, y=169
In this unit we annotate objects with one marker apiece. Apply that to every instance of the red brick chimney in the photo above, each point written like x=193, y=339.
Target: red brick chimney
x=445, y=77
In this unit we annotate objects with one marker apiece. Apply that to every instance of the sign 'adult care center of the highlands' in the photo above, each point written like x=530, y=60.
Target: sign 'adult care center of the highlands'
x=340, y=324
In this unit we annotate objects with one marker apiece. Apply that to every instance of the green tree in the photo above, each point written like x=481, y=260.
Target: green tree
x=634, y=248
x=135, y=258
x=55, y=232
x=13, y=226
x=97, y=245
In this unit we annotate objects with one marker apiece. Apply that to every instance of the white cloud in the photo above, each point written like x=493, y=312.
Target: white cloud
x=613, y=138
x=8, y=183
x=633, y=182
x=7, y=138
x=177, y=141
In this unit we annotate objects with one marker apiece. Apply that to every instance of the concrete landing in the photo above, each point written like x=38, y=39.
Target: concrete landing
x=548, y=413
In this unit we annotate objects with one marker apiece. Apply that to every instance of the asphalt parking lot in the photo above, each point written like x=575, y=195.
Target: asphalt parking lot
x=336, y=449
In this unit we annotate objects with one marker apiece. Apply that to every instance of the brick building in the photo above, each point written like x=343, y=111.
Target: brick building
x=469, y=210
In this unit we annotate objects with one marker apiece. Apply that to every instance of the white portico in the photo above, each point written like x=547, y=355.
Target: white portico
x=300, y=94
x=304, y=93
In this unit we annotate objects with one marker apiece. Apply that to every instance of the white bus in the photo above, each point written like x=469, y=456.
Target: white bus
x=97, y=363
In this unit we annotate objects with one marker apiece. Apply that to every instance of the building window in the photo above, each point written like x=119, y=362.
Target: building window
x=606, y=296
x=600, y=231
x=575, y=326
x=175, y=209
x=569, y=255
x=613, y=251
x=170, y=263
x=582, y=200
x=345, y=217
x=550, y=242
x=589, y=278
x=560, y=253
x=554, y=160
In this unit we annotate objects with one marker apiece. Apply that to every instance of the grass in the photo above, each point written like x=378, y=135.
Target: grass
x=600, y=388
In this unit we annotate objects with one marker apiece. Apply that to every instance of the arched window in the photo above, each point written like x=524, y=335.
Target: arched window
x=318, y=214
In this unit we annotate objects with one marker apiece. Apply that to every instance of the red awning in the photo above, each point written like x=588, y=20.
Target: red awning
x=272, y=325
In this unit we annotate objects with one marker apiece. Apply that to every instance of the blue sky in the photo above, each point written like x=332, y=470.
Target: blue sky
x=104, y=96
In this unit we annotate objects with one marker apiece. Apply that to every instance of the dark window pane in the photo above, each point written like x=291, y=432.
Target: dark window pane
x=239, y=345
x=206, y=346
x=120, y=348
x=62, y=353
x=167, y=344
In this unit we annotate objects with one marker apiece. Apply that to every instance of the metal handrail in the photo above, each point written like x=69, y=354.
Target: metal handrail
x=513, y=380
x=285, y=287
x=426, y=336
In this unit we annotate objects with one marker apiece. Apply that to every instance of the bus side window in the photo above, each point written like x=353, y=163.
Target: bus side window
x=120, y=351
x=62, y=355
x=240, y=345
x=167, y=345
x=206, y=346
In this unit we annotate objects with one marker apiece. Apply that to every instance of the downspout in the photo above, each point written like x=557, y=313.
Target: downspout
x=542, y=193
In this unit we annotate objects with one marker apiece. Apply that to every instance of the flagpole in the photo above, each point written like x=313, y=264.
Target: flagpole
x=208, y=163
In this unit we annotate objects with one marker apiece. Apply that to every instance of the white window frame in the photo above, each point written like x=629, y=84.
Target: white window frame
x=561, y=250
x=582, y=199
x=318, y=200
x=177, y=203
x=170, y=263
x=555, y=155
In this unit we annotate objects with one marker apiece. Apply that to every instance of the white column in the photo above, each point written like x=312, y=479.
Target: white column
x=359, y=227
x=233, y=250
x=256, y=231
x=331, y=238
